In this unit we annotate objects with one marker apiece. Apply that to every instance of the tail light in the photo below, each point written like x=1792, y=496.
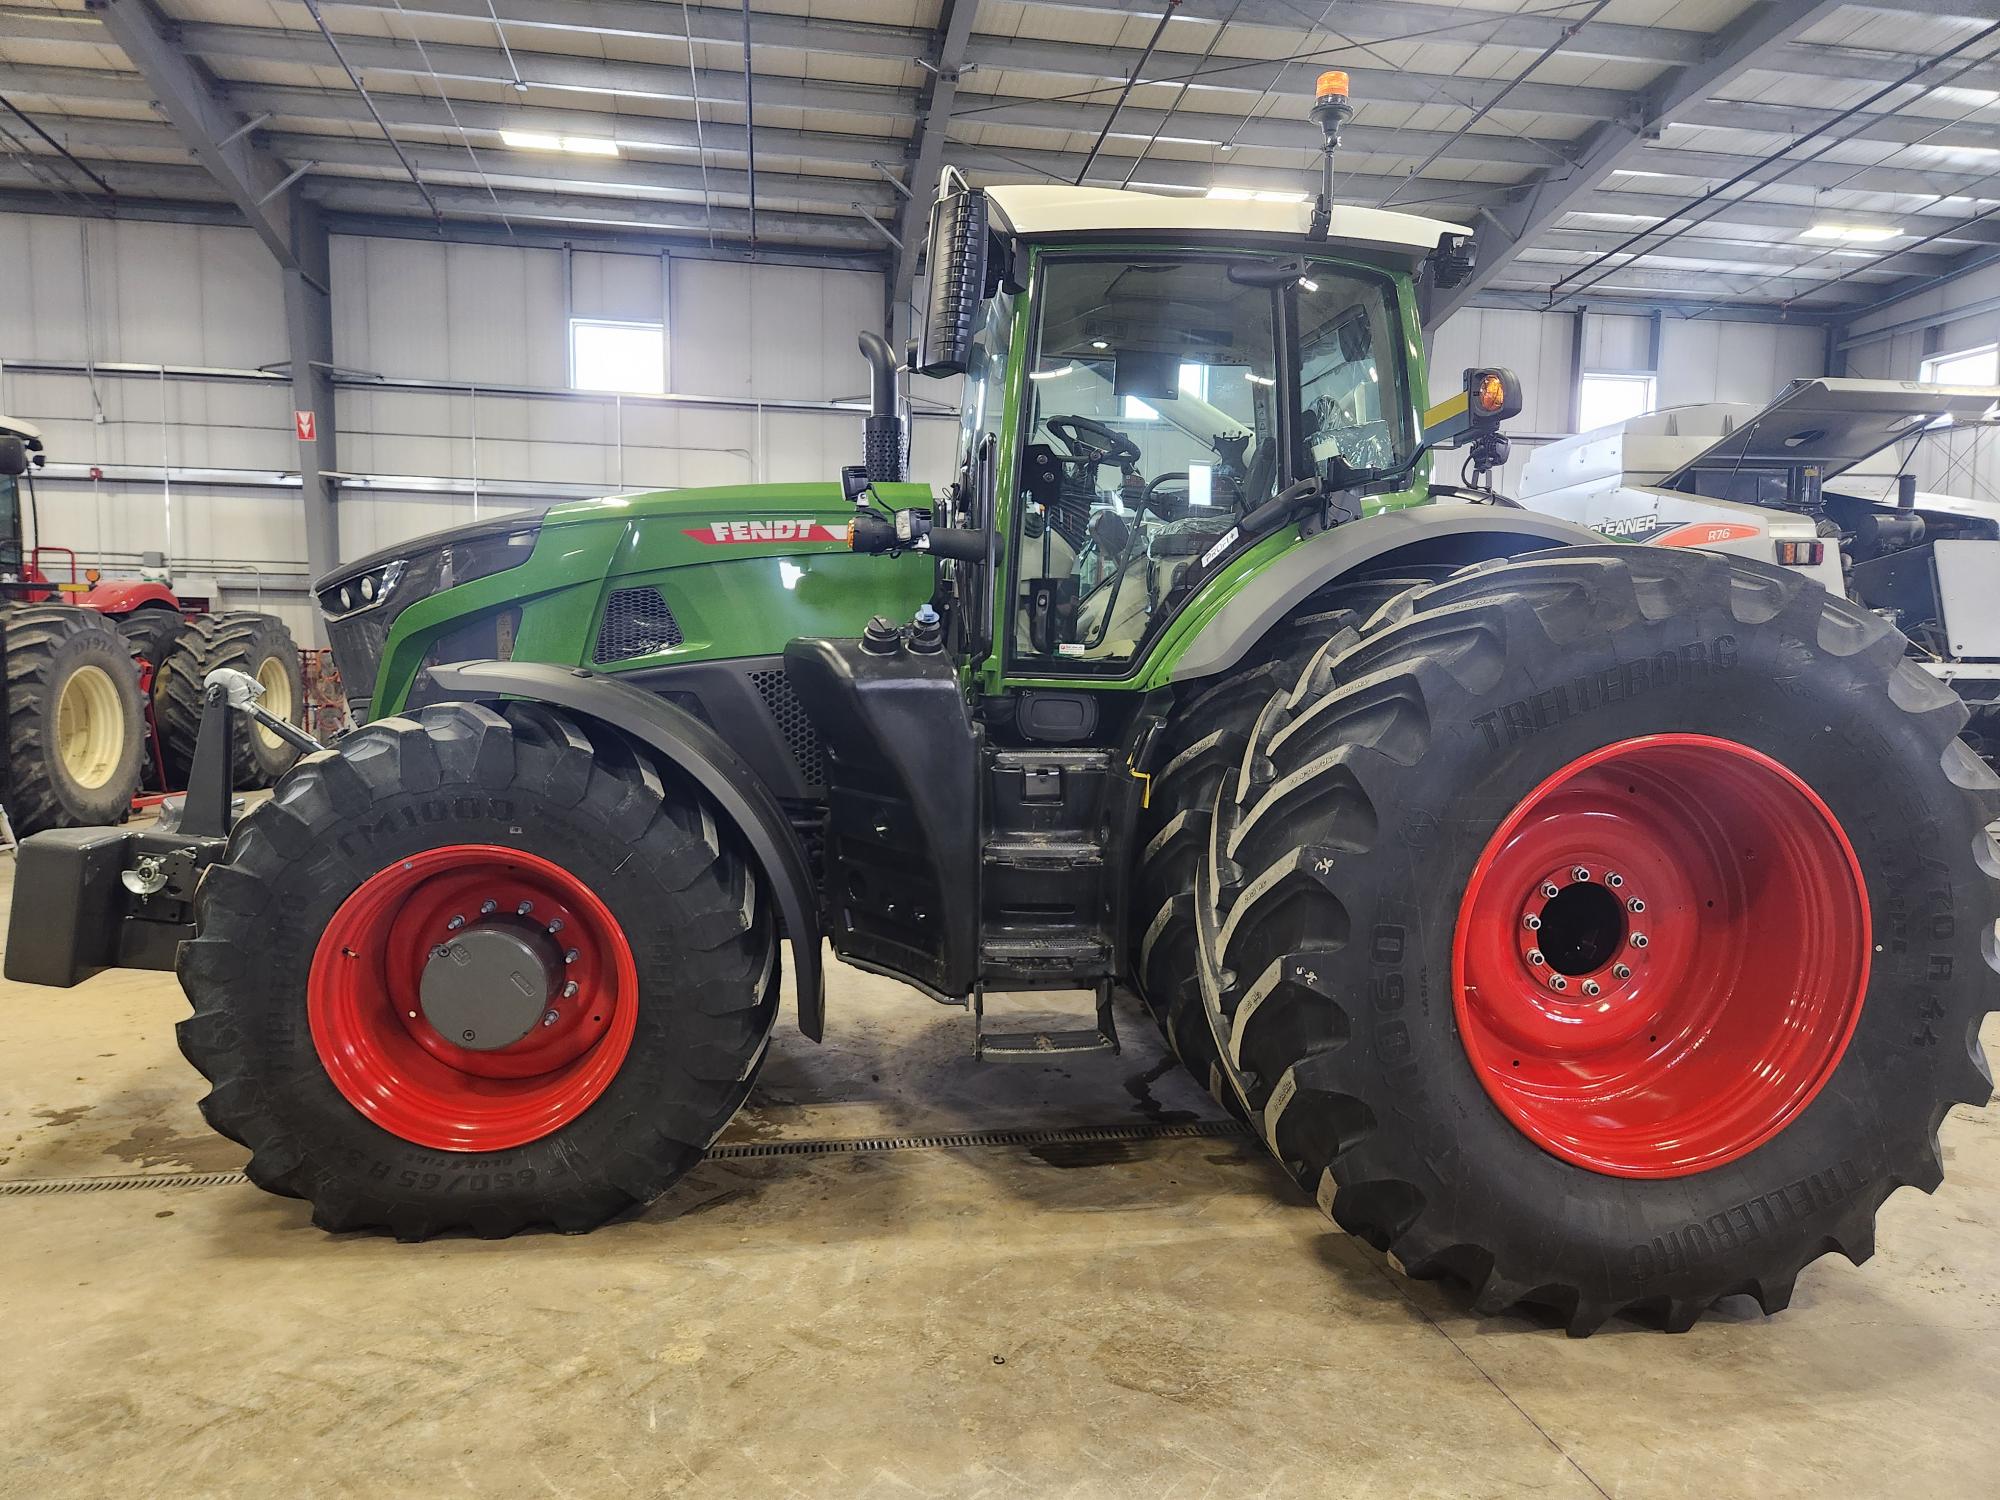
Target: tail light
x=1801, y=554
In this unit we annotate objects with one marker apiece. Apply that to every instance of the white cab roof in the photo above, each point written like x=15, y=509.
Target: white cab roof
x=1039, y=209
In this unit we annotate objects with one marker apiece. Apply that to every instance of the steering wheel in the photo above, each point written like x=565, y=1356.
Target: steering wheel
x=1110, y=447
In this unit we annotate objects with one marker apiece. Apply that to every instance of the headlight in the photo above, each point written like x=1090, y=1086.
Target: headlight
x=432, y=564
x=365, y=592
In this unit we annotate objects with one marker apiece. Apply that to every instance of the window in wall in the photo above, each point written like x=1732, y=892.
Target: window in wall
x=1979, y=366
x=608, y=356
x=1606, y=398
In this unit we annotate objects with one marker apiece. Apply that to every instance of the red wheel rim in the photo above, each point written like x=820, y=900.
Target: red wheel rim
x=379, y=1046
x=1661, y=956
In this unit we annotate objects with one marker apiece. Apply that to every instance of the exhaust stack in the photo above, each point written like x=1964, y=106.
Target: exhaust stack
x=882, y=436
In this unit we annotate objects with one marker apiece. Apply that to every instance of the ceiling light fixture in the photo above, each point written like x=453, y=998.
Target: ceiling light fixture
x=579, y=145
x=1854, y=234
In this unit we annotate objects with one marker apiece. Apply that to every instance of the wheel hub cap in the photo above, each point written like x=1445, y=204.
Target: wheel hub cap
x=1661, y=955
x=489, y=987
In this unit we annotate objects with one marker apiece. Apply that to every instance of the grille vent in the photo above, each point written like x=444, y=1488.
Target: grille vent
x=793, y=723
x=637, y=622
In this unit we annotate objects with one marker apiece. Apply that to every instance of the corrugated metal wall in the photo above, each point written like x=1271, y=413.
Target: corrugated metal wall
x=144, y=293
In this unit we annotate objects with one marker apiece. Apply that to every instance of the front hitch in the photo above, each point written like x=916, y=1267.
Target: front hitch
x=87, y=899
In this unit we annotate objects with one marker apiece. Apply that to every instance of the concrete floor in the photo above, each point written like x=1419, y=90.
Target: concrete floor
x=1165, y=1318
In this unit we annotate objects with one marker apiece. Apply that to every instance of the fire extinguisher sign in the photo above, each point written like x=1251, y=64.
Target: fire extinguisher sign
x=304, y=423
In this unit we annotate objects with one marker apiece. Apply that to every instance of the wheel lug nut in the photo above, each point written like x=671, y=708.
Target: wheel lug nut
x=551, y=1018
x=570, y=957
x=1592, y=988
x=556, y=925
x=1579, y=873
x=1621, y=972
x=1635, y=905
x=1549, y=889
x=1614, y=880
x=1535, y=957
x=524, y=908
x=569, y=990
x=454, y=924
x=1557, y=982
x=1532, y=923
x=487, y=908
x=1638, y=940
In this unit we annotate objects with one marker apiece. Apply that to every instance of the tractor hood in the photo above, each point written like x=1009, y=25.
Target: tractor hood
x=733, y=514
x=463, y=593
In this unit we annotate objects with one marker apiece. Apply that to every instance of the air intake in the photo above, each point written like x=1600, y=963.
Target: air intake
x=637, y=622
x=793, y=722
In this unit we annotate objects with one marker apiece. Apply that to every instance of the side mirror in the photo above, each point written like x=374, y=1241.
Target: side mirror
x=956, y=261
x=13, y=457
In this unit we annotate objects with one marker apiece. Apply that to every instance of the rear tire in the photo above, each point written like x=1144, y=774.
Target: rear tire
x=1341, y=920
x=1204, y=741
x=307, y=967
x=75, y=727
x=250, y=642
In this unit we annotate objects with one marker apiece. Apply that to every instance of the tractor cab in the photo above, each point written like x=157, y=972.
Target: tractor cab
x=22, y=452
x=1151, y=386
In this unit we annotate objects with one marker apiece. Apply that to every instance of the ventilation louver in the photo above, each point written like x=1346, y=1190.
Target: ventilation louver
x=637, y=622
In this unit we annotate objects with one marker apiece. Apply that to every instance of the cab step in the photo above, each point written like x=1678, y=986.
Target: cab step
x=1045, y=1041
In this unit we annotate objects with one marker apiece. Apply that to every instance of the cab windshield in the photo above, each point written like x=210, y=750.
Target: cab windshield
x=1176, y=398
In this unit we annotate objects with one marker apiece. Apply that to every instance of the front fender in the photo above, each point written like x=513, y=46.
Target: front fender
x=700, y=754
x=1420, y=533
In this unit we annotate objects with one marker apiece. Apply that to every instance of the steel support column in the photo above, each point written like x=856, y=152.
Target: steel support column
x=309, y=337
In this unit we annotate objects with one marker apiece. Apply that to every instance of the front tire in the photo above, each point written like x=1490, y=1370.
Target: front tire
x=360, y=950
x=1419, y=842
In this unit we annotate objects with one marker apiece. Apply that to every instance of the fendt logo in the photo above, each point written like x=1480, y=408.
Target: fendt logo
x=739, y=533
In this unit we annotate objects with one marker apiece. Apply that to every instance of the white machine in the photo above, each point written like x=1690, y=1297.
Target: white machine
x=1817, y=481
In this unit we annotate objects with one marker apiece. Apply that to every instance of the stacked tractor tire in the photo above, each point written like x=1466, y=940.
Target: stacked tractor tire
x=76, y=716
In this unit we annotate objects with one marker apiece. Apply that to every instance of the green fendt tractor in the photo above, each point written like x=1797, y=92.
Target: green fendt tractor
x=1604, y=926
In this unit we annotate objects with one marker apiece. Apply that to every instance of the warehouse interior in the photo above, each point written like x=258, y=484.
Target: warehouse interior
x=289, y=283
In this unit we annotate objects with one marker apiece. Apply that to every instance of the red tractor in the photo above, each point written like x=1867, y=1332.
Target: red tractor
x=102, y=677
